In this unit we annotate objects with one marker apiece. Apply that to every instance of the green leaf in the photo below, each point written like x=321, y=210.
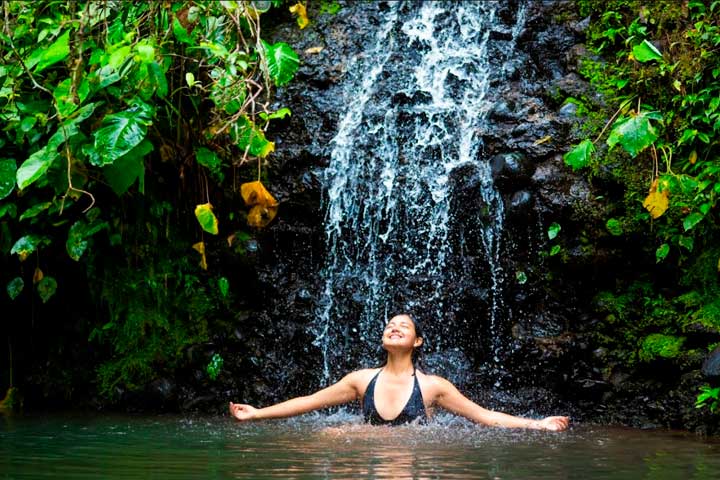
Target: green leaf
x=553, y=230
x=280, y=114
x=65, y=101
x=555, y=250
x=35, y=166
x=145, y=52
x=634, y=134
x=35, y=210
x=614, y=226
x=687, y=242
x=8, y=168
x=78, y=235
x=248, y=137
x=119, y=133
x=209, y=160
x=207, y=218
x=14, y=287
x=26, y=245
x=46, y=288
x=180, y=33
x=103, y=77
x=580, y=156
x=123, y=173
x=282, y=62
x=224, y=286
x=521, y=277
x=118, y=58
x=157, y=79
x=9, y=209
x=646, y=52
x=662, y=252
x=56, y=52
x=691, y=220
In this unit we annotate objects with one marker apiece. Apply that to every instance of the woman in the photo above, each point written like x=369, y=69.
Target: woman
x=397, y=393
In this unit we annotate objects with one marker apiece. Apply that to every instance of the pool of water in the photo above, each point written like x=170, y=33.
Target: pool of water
x=315, y=446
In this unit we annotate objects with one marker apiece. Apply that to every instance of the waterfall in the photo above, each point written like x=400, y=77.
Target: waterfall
x=418, y=104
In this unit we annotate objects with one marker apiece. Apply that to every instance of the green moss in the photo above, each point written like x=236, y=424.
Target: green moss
x=659, y=345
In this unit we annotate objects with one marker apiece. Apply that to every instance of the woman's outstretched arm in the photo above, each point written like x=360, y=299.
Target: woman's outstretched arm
x=341, y=392
x=451, y=399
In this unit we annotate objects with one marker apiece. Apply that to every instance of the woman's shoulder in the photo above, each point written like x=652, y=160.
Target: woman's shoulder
x=363, y=375
x=435, y=382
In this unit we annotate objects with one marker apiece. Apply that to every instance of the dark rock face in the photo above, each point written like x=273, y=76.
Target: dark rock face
x=549, y=361
x=711, y=365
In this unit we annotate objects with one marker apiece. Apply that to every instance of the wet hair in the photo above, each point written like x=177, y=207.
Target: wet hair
x=417, y=355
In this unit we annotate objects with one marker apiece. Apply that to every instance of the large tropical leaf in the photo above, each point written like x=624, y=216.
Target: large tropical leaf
x=282, y=62
x=634, y=133
x=123, y=173
x=35, y=166
x=43, y=57
x=119, y=133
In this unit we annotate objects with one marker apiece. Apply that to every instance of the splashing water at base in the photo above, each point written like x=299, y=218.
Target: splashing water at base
x=316, y=446
x=419, y=98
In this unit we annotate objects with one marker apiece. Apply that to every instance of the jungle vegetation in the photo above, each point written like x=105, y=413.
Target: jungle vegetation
x=126, y=126
x=654, y=133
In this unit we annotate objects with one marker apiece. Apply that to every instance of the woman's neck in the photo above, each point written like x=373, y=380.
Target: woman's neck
x=399, y=364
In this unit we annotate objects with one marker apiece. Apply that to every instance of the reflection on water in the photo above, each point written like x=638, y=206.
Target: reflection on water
x=339, y=446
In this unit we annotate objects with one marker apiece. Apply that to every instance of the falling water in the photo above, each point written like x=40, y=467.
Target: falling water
x=418, y=105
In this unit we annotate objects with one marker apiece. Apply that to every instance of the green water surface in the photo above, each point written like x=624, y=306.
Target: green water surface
x=315, y=446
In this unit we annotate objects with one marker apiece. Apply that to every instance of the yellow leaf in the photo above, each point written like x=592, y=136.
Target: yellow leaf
x=255, y=193
x=37, y=276
x=656, y=202
x=312, y=50
x=540, y=141
x=693, y=157
x=264, y=206
x=260, y=216
x=200, y=248
x=302, y=18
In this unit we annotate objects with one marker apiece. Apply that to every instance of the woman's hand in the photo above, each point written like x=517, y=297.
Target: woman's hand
x=554, y=424
x=242, y=412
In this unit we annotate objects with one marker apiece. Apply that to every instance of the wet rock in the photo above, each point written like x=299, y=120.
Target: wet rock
x=520, y=200
x=582, y=25
x=575, y=56
x=711, y=365
x=509, y=166
x=569, y=110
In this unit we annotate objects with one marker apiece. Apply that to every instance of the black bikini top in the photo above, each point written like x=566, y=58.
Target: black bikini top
x=414, y=408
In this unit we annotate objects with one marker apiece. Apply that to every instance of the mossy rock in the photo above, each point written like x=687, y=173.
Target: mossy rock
x=659, y=345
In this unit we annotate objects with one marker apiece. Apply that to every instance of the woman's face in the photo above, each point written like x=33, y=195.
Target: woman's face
x=399, y=334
